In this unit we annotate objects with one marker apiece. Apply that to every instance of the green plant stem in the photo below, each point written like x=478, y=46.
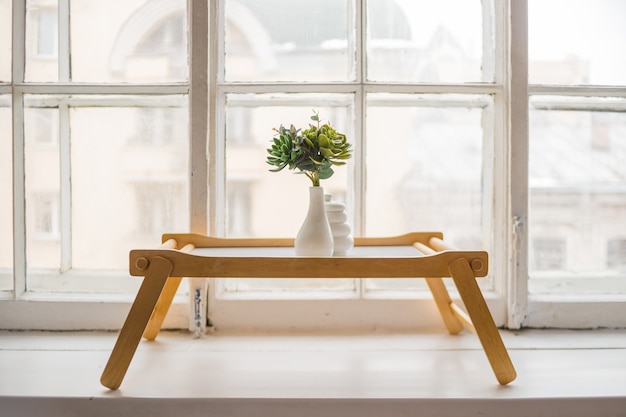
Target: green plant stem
x=315, y=179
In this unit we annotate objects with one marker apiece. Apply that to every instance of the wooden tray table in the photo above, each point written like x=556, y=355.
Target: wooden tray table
x=413, y=255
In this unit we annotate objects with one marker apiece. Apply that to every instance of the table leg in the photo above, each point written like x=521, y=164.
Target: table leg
x=482, y=320
x=441, y=296
x=444, y=302
x=136, y=321
x=165, y=301
x=161, y=308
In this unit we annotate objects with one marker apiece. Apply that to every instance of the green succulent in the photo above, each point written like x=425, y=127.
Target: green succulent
x=312, y=151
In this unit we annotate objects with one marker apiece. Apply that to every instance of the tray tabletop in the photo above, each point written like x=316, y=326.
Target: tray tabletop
x=288, y=251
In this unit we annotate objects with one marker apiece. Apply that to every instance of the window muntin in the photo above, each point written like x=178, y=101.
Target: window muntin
x=6, y=191
x=577, y=42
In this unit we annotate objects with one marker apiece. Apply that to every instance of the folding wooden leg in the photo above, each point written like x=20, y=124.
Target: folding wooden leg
x=161, y=308
x=164, y=303
x=135, y=324
x=441, y=296
x=482, y=320
x=444, y=302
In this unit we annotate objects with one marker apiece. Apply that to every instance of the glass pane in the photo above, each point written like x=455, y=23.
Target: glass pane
x=43, y=189
x=422, y=41
x=424, y=160
x=261, y=203
x=140, y=42
x=129, y=184
x=42, y=37
x=577, y=42
x=6, y=195
x=577, y=196
x=5, y=40
x=289, y=40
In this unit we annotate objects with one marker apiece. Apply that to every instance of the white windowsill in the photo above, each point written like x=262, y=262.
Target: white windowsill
x=573, y=373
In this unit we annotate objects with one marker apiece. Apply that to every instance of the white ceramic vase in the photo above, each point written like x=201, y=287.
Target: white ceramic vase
x=315, y=237
x=341, y=229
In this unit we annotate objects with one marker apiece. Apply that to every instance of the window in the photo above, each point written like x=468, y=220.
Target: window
x=118, y=124
x=616, y=254
x=415, y=141
x=47, y=32
x=101, y=150
x=577, y=138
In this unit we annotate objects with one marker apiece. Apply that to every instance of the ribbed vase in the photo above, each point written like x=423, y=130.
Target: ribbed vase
x=315, y=237
x=341, y=229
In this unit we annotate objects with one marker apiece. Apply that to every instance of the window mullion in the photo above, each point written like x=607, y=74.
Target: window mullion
x=19, y=191
x=64, y=68
x=199, y=116
x=518, y=125
x=19, y=200
x=360, y=131
x=358, y=174
x=217, y=97
x=65, y=186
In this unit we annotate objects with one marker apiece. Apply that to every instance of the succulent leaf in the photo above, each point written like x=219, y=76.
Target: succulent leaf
x=312, y=151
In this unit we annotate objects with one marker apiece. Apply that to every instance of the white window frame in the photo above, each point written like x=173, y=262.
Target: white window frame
x=509, y=302
x=575, y=311
x=21, y=309
x=563, y=311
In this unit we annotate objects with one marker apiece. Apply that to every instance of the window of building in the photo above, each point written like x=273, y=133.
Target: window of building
x=616, y=254
x=45, y=216
x=47, y=32
x=548, y=254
